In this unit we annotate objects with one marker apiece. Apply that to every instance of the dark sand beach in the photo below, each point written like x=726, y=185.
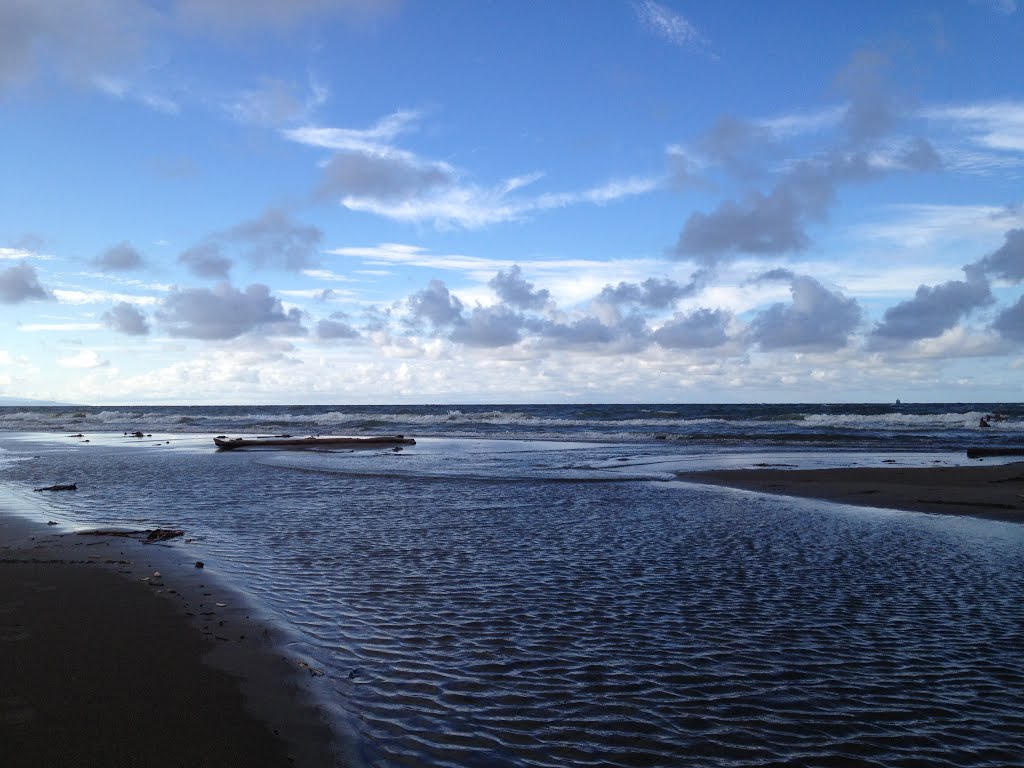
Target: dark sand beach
x=994, y=492
x=97, y=669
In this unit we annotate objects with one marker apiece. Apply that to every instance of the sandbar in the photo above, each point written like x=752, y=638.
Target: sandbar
x=101, y=668
x=988, y=491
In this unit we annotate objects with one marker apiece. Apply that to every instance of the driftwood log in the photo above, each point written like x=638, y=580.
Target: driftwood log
x=977, y=453
x=70, y=487
x=162, y=534
x=151, y=535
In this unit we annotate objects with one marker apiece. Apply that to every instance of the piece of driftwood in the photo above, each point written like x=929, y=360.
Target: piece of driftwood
x=69, y=487
x=150, y=535
x=307, y=442
x=162, y=534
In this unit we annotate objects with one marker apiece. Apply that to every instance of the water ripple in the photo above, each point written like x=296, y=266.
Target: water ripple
x=493, y=621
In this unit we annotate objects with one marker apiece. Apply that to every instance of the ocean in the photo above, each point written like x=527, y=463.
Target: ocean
x=532, y=586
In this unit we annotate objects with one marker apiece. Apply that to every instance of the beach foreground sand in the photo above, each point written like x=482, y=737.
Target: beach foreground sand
x=97, y=669
x=989, y=491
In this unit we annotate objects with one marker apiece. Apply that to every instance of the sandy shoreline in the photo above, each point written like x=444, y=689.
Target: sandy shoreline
x=101, y=668
x=988, y=491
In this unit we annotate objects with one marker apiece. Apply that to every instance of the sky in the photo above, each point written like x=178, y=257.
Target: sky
x=463, y=201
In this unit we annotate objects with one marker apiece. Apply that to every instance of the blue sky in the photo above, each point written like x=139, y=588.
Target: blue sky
x=383, y=201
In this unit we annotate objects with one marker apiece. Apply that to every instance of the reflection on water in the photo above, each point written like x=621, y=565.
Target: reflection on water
x=491, y=609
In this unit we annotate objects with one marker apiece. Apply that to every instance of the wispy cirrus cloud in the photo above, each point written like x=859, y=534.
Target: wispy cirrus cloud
x=16, y=254
x=326, y=274
x=801, y=122
x=474, y=207
x=1003, y=7
x=370, y=174
x=375, y=140
x=273, y=101
x=84, y=297
x=318, y=294
x=997, y=125
x=922, y=226
x=670, y=26
x=126, y=88
x=414, y=255
x=609, y=192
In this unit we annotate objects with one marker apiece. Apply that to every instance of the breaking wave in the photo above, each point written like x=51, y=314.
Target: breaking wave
x=939, y=425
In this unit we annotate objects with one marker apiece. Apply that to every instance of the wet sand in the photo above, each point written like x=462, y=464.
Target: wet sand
x=988, y=491
x=100, y=668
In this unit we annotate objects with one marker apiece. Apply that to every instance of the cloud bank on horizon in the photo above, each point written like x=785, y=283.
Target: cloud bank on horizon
x=384, y=201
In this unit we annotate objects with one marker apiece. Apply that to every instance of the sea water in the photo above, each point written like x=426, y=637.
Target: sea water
x=530, y=585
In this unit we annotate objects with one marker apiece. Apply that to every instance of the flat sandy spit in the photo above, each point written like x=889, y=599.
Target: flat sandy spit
x=989, y=491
